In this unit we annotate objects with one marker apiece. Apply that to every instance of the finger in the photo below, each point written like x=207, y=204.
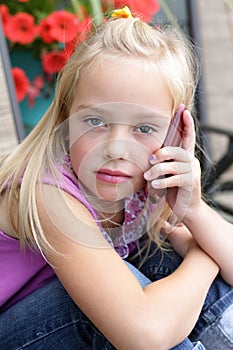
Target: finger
x=168, y=168
x=168, y=228
x=183, y=180
x=189, y=135
x=171, y=153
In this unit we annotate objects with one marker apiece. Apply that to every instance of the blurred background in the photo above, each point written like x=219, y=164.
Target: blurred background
x=216, y=42
x=37, y=36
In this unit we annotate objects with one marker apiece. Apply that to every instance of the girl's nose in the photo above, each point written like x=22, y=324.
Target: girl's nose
x=118, y=144
x=117, y=149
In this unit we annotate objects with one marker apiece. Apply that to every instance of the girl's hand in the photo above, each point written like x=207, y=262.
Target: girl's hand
x=179, y=237
x=176, y=172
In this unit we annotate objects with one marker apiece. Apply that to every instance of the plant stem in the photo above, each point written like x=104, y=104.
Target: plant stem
x=170, y=16
x=96, y=11
x=77, y=9
x=167, y=11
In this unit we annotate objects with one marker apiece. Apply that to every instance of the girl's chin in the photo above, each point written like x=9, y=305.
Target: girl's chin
x=106, y=201
x=114, y=195
x=109, y=192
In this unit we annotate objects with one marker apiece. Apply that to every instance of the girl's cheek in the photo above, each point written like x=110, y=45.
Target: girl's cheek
x=76, y=155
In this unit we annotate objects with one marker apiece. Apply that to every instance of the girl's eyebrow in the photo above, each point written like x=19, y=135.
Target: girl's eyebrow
x=82, y=107
x=81, y=110
x=151, y=115
x=110, y=110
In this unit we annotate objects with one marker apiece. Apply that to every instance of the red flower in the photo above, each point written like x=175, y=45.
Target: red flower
x=70, y=47
x=21, y=83
x=63, y=26
x=23, y=0
x=45, y=30
x=82, y=30
x=53, y=62
x=144, y=9
x=21, y=28
x=5, y=16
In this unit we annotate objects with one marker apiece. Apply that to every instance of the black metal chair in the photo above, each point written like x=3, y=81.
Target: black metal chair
x=218, y=180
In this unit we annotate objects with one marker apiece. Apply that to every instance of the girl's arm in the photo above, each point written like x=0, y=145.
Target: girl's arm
x=215, y=236
x=210, y=230
x=100, y=283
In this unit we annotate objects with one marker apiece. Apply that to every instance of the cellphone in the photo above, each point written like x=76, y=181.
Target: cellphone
x=175, y=131
x=173, y=138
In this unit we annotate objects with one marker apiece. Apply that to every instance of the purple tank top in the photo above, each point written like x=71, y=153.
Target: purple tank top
x=23, y=272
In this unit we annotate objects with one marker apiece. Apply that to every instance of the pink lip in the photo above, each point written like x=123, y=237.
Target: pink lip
x=112, y=176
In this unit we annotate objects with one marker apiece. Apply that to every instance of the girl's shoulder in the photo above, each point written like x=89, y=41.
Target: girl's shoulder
x=68, y=182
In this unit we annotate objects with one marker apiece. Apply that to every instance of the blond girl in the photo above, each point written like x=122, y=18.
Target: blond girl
x=82, y=265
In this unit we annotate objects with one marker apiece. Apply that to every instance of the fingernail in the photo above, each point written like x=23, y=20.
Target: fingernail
x=152, y=159
x=155, y=183
x=147, y=175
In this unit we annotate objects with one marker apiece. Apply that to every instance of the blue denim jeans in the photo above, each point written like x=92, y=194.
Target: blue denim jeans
x=48, y=319
x=214, y=328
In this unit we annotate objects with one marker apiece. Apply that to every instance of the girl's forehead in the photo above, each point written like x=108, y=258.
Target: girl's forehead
x=110, y=59
x=126, y=87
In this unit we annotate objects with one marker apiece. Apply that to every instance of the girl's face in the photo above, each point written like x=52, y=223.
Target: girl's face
x=119, y=117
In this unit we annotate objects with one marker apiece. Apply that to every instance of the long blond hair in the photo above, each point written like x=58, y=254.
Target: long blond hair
x=166, y=47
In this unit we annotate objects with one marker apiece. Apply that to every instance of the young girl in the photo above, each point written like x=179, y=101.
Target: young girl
x=83, y=210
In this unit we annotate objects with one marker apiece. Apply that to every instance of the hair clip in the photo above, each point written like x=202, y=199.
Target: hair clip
x=122, y=13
